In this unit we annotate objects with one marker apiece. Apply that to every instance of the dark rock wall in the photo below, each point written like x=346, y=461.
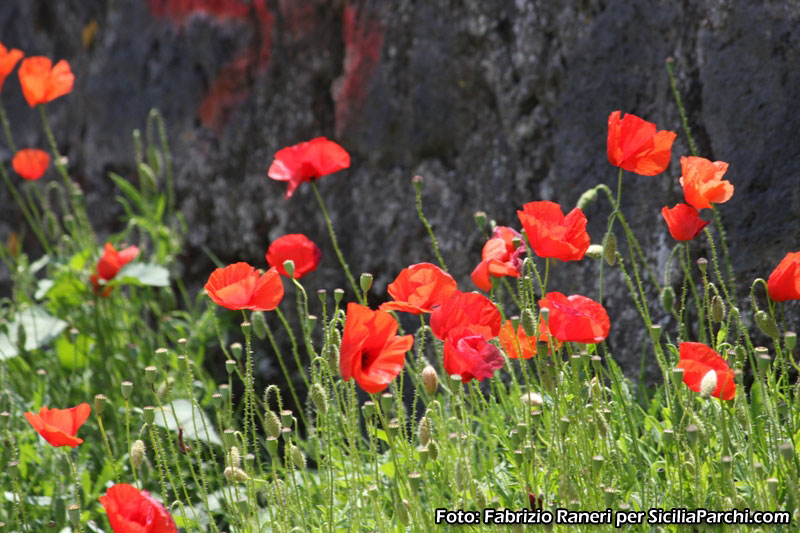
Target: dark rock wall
x=494, y=102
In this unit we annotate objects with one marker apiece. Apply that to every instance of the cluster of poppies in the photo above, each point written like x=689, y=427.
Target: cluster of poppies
x=41, y=82
x=129, y=509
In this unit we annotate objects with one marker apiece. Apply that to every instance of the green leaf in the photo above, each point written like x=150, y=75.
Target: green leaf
x=65, y=290
x=74, y=355
x=143, y=274
x=188, y=416
x=129, y=191
x=39, y=328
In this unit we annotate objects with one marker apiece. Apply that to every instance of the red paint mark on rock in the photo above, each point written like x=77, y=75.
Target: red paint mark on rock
x=231, y=87
x=363, y=39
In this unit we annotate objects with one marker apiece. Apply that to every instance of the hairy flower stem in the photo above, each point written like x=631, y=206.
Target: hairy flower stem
x=336, y=248
x=286, y=374
x=37, y=230
x=108, y=447
x=421, y=214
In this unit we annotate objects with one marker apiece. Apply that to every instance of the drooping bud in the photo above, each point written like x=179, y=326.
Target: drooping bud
x=234, y=459
x=595, y=251
x=137, y=453
x=587, y=198
x=532, y=399
x=528, y=321
x=234, y=473
x=610, y=249
x=272, y=424
x=259, y=322
x=425, y=430
x=708, y=383
x=298, y=457
x=319, y=398
x=433, y=450
x=717, y=309
x=767, y=325
x=430, y=379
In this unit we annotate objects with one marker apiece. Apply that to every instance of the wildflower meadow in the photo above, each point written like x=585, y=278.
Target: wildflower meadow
x=487, y=404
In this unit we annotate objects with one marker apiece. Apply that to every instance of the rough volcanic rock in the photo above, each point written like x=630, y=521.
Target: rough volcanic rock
x=494, y=102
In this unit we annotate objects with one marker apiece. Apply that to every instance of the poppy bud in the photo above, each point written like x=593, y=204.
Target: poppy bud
x=480, y=220
x=425, y=430
x=717, y=309
x=127, y=388
x=790, y=340
x=417, y=181
x=430, y=380
x=319, y=398
x=460, y=475
x=528, y=321
x=259, y=324
x=234, y=473
x=150, y=374
x=236, y=350
x=514, y=436
x=702, y=264
x=365, y=282
x=667, y=298
x=586, y=199
x=767, y=325
x=298, y=457
x=433, y=450
x=233, y=456
x=99, y=403
x=272, y=423
x=610, y=249
x=532, y=399
x=137, y=453
x=149, y=414
x=595, y=251
x=708, y=383
x=337, y=295
x=333, y=357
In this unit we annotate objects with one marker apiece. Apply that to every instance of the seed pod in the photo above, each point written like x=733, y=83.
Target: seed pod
x=365, y=282
x=236, y=350
x=100, y=403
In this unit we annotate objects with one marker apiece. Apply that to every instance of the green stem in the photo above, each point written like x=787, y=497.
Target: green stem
x=418, y=189
x=7, y=129
x=335, y=243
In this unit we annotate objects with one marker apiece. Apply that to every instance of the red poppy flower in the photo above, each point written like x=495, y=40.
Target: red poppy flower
x=634, y=145
x=469, y=355
x=683, y=222
x=575, y=318
x=59, y=426
x=784, y=282
x=499, y=258
x=705, y=371
x=514, y=344
x=702, y=182
x=551, y=234
x=8, y=60
x=419, y=288
x=131, y=510
x=371, y=350
x=307, y=161
x=110, y=264
x=467, y=310
x=30, y=163
x=298, y=248
x=240, y=286
x=42, y=82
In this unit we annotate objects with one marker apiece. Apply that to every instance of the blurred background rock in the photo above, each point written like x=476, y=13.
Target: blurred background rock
x=495, y=102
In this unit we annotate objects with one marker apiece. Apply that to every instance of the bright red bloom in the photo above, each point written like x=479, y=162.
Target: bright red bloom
x=131, y=510
x=307, y=161
x=466, y=310
x=575, y=318
x=8, y=60
x=371, y=350
x=240, y=286
x=469, y=355
x=703, y=368
x=419, y=288
x=634, y=145
x=551, y=234
x=110, y=264
x=702, y=182
x=683, y=222
x=42, y=82
x=59, y=426
x=30, y=163
x=298, y=248
x=499, y=258
x=784, y=282
x=514, y=344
